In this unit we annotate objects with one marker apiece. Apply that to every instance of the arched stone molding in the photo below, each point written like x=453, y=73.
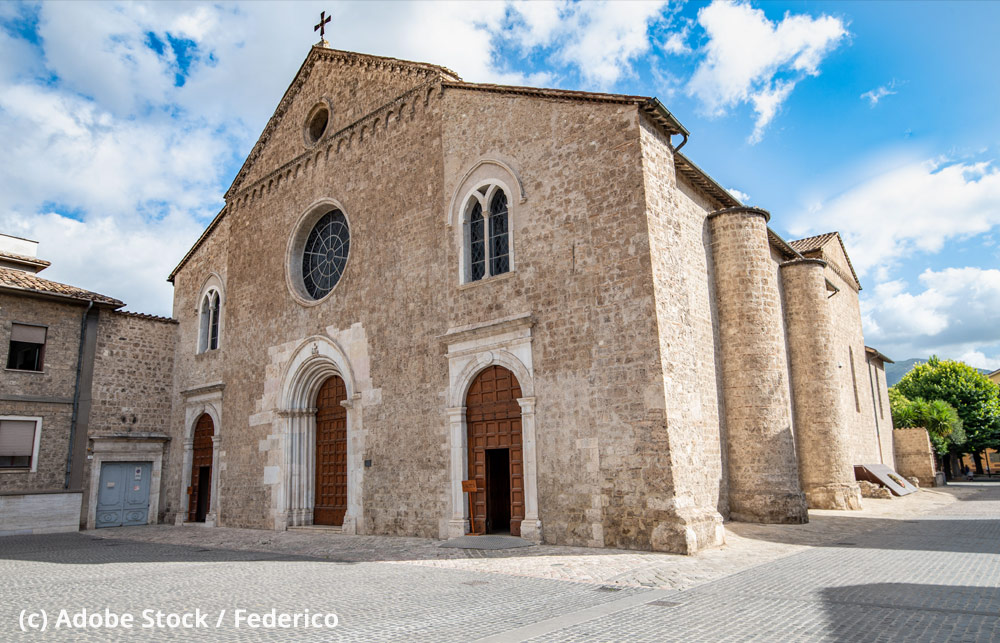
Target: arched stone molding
x=198, y=401
x=316, y=359
x=484, y=171
x=479, y=184
x=504, y=342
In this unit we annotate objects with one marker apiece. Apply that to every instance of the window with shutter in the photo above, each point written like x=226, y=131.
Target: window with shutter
x=17, y=443
x=27, y=347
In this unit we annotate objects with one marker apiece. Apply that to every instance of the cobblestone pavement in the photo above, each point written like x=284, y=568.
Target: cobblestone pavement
x=924, y=567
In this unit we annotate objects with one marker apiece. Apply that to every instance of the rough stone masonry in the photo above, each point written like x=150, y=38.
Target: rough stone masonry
x=679, y=364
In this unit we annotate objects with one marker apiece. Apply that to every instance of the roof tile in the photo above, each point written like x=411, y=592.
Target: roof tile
x=26, y=281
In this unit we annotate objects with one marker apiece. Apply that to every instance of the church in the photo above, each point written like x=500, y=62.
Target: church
x=431, y=308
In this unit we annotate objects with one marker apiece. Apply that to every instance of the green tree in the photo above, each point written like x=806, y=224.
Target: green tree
x=975, y=398
x=939, y=418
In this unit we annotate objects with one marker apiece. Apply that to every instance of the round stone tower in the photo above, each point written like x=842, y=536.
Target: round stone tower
x=825, y=467
x=763, y=472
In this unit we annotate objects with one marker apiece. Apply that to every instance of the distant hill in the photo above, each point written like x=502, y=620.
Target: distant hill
x=895, y=372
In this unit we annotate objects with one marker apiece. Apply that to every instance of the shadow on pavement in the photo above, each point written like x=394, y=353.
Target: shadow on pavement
x=911, y=612
x=84, y=549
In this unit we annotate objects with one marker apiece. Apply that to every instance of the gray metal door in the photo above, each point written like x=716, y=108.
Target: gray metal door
x=123, y=495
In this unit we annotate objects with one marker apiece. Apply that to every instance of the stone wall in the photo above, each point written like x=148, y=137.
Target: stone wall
x=628, y=296
x=821, y=443
x=48, y=394
x=863, y=436
x=686, y=329
x=881, y=411
x=581, y=269
x=133, y=374
x=914, y=455
x=763, y=472
x=132, y=388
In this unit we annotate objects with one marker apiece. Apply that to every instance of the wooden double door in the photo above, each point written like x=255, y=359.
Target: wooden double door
x=496, y=460
x=331, y=453
x=200, y=491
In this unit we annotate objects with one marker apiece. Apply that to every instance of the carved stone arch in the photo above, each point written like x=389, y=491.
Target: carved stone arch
x=496, y=171
x=315, y=360
x=198, y=402
x=483, y=360
x=464, y=369
x=195, y=413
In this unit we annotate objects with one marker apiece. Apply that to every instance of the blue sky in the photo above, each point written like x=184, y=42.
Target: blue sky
x=124, y=123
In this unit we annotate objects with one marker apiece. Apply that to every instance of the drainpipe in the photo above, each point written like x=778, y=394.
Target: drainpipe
x=76, y=395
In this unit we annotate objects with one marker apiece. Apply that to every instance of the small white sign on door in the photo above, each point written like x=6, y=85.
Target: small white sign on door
x=138, y=473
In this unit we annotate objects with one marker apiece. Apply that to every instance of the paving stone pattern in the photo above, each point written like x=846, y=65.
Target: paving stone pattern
x=925, y=567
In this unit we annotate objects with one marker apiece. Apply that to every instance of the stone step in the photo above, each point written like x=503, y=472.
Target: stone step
x=330, y=529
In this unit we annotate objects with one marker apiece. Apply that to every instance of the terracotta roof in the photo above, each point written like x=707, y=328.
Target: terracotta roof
x=816, y=243
x=33, y=261
x=875, y=353
x=11, y=279
x=700, y=178
x=783, y=246
x=810, y=244
x=129, y=313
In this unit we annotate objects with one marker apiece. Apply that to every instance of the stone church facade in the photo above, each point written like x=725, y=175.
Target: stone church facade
x=426, y=298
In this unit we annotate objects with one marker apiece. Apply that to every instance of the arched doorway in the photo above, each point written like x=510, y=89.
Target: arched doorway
x=200, y=491
x=496, y=461
x=331, y=453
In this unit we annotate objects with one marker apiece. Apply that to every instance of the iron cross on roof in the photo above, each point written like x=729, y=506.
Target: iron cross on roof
x=321, y=27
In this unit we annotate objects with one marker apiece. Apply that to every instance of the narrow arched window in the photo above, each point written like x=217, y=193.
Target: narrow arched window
x=499, y=247
x=213, y=334
x=477, y=245
x=208, y=326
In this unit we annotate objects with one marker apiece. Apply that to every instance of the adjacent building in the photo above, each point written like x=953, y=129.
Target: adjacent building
x=81, y=379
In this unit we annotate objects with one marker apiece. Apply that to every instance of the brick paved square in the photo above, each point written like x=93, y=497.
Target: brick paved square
x=921, y=568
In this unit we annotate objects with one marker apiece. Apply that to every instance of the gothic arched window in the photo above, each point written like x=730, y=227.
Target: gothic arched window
x=211, y=309
x=488, y=234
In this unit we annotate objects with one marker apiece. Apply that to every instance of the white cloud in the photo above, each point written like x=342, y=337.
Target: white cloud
x=599, y=39
x=953, y=315
x=742, y=197
x=750, y=59
x=677, y=42
x=917, y=206
x=125, y=259
x=875, y=95
x=115, y=167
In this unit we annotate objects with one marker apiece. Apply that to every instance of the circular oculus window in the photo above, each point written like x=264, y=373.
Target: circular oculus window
x=324, y=254
x=316, y=123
